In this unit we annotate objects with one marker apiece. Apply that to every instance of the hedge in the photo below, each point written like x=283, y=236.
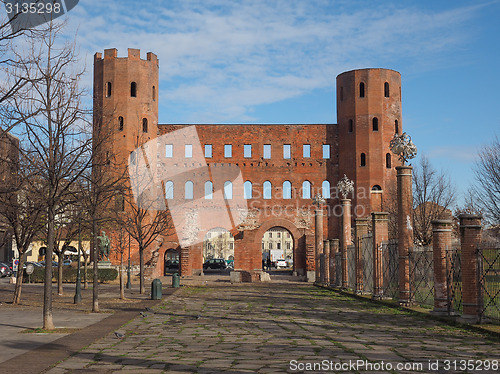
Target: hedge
x=69, y=275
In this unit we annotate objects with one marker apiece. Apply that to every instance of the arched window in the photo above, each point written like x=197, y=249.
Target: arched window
x=108, y=89
x=376, y=188
x=144, y=125
x=209, y=190
x=120, y=202
x=396, y=126
x=375, y=124
x=169, y=190
x=133, y=89
x=361, y=89
x=388, y=160
x=363, y=159
x=188, y=190
x=350, y=125
x=341, y=93
x=287, y=190
x=228, y=190
x=325, y=189
x=247, y=190
x=267, y=190
x=120, y=123
x=386, y=89
x=154, y=93
x=306, y=190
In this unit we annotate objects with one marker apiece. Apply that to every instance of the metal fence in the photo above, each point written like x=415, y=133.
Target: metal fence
x=489, y=282
x=351, y=267
x=421, y=271
x=390, y=284
x=367, y=255
x=337, y=279
x=454, y=280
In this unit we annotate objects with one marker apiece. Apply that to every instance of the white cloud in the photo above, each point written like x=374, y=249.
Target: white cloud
x=221, y=58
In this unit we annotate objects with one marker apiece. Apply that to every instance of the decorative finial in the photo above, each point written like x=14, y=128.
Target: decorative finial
x=402, y=146
x=345, y=186
x=318, y=200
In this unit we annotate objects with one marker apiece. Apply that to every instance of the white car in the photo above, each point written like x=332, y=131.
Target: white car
x=281, y=264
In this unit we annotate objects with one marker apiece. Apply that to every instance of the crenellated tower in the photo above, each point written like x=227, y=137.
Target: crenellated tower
x=125, y=100
x=368, y=116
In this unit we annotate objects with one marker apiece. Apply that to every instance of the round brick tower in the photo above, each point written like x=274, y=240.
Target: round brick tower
x=368, y=116
x=126, y=100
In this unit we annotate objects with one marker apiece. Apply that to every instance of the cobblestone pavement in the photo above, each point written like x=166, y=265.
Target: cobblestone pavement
x=261, y=328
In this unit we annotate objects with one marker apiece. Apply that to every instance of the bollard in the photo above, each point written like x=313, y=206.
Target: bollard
x=156, y=290
x=175, y=280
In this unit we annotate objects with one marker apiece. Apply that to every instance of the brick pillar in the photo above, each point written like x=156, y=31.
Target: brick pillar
x=184, y=262
x=441, y=242
x=326, y=251
x=334, y=249
x=380, y=227
x=360, y=229
x=310, y=259
x=470, y=236
x=345, y=237
x=318, y=241
x=405, y=230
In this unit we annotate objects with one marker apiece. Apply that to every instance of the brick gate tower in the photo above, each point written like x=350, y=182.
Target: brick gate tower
x=368, y=116
x=126, y=100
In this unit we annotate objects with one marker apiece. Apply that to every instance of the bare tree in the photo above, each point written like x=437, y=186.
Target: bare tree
x=56, y=144
x=144, y=224
x=23, y=211
x=487, y=187
x=433, y=197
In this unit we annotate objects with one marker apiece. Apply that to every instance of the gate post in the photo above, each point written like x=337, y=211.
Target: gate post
x=346, y=238
x=360, y=229
x=470, y=236
x=441, y=242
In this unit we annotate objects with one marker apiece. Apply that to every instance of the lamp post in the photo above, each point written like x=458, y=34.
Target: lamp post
x=129, y=284
x=345, y=186
x=78, y=287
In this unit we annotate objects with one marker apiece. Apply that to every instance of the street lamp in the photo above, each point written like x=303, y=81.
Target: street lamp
x=129, y=284
x=78, y=287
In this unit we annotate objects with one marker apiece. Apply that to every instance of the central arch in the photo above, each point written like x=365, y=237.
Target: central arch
x=298, y=237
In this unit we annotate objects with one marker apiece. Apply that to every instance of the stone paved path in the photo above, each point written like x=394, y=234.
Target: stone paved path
x=260, y=328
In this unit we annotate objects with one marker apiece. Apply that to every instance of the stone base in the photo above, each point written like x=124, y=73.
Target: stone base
x=240, y=276
x=235, y=277
x=311, y=276
x=104, y=265
x=469, y=319
x=442, y=312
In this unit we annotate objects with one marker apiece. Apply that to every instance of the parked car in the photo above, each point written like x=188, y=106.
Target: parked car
x=5, y=271
x=67, y=262
x=281, y=264
x=215, y=263
x=172, y=265
x=35, y=264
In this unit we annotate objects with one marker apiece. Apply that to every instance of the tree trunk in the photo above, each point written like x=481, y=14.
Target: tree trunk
x=19, y=279
x=141, y=271
x=122, y=288
x=48, y=323
x=95, y=292
x=60, y=273
x=85, y=283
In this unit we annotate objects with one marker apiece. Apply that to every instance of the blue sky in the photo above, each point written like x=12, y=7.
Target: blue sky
x=276, y=62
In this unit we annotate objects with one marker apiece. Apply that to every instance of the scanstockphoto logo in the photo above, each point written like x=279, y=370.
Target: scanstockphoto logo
x=25, y=14
x=170, y=172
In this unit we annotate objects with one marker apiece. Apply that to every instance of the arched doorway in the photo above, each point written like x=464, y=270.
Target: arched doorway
x=219, y=244
x=277, y=249
x=171, y=261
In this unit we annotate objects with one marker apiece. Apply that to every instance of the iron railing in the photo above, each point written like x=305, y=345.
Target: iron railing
x=421, y=271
